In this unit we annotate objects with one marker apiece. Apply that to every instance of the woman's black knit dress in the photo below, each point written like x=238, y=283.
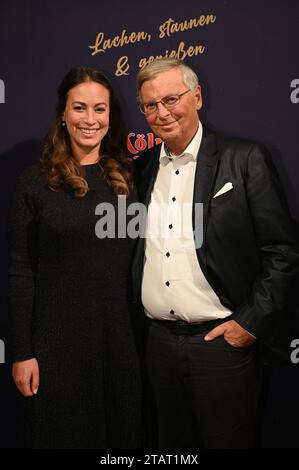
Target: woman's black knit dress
x=69, y=299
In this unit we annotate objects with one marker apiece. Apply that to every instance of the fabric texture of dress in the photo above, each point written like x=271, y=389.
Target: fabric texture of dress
x=70, y=308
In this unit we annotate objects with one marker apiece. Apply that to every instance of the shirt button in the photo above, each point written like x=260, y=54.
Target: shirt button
x=174, y=198
x=170, y=226
x=167, y=254
x=172, y=312
x=177, y=172
x=167, y=283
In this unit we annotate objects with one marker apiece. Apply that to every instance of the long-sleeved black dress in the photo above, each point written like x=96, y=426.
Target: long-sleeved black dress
x=70, y=309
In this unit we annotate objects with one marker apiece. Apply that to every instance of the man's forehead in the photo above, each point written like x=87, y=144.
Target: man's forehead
x=164, y=82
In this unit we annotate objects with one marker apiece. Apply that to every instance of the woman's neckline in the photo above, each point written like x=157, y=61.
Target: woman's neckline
x=90, y=164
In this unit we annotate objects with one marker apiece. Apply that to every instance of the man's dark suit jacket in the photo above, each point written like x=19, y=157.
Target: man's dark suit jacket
x=249, y=252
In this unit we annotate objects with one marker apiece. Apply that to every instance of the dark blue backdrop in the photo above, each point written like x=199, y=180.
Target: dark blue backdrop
x=250, y=78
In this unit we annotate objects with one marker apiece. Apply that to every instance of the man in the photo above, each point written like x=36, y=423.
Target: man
x=213, y=282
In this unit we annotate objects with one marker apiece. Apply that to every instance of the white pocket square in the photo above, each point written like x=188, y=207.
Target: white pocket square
x=224, y=189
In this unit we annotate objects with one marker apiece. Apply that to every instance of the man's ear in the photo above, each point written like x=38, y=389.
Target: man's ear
x=198, y=97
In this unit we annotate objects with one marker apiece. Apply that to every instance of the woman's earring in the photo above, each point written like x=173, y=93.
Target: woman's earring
x=63, y=123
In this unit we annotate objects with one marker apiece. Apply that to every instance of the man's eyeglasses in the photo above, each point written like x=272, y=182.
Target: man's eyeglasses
x=169, y=102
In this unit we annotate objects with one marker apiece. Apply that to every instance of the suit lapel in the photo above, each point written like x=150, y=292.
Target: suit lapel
x=205, y=175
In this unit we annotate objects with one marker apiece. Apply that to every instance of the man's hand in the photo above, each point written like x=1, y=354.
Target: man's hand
x=26, y=376
x=233, y=334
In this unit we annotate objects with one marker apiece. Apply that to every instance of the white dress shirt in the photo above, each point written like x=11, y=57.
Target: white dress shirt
x=173, y=284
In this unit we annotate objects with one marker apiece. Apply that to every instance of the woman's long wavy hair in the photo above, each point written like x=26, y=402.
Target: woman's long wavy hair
x=57, y=161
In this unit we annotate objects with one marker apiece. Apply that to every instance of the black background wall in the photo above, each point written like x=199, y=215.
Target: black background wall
x=247, y=61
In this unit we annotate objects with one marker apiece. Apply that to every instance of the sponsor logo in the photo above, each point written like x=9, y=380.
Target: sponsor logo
x=137, y=143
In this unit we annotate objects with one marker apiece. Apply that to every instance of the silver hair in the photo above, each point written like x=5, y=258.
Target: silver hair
x=162, y=65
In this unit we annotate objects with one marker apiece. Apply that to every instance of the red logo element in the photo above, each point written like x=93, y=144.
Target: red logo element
x=137, y=143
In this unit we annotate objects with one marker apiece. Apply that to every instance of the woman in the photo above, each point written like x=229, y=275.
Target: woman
x=75, y=358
